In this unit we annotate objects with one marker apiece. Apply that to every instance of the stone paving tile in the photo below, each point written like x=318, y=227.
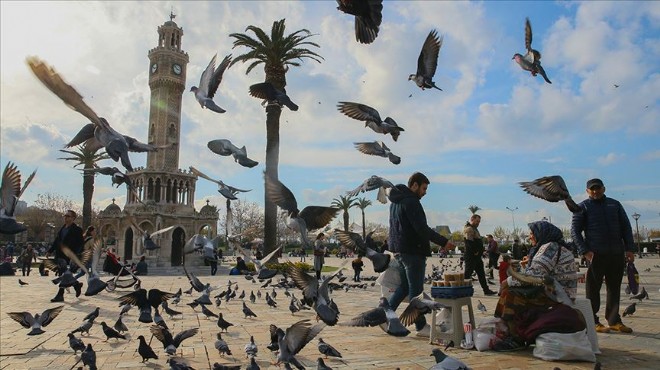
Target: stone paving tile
x=362, y=348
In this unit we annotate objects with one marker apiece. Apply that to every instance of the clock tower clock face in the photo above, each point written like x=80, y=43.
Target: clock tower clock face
x=177, y=69
x=154, y=67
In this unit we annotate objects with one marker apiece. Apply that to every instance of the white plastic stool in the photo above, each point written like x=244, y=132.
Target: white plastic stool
x=456, y=306
x=584, y=306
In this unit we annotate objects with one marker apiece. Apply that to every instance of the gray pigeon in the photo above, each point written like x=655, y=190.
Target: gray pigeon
x=643, y=294
x=271, y=302
x=247, y=311
x=221, y=346
x=76, y=344
x=88, y=357
x=531, y=61
x=225, y=148
x=310, y=218
x=120, y=326
x=320, y=364
x=170, y=311
x=269, y=93
x=36, y=322
x=481, y=307
x=371, y=118
x=147, y=237
x=209, y=82
x=444, y=362
x=383, y=314
x=427, y=62
x=110, y=332
x=251, y=348
x=420, y=305
x=368, y=16
x=372, y=183
x=253, y=365
x=354, y=242
x=93, y=315
x=377, y=148
x=170, y=344
x=630, y=310
x=10, y=192
x=551, y=188
x=117, y=176
x=263, y=272
x=315, y=294
x=327, y=350
x=208, y=313
x=97, y=134
x=227, y=191
x=84, y=327
x=294, y=339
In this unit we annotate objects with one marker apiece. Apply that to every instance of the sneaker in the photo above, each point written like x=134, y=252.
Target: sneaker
x=489, y=292
x=490, y=282
x=620, y=328
x=602, y=328
x=425, y=332
x=508, y=345
x=57, y=298
x=78, y=289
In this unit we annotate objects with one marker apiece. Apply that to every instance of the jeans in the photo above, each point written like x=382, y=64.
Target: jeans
x=611, y=268
x=412, y=268
x=476, y=264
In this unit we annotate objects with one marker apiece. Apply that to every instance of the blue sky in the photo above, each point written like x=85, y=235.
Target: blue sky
x=493, y=125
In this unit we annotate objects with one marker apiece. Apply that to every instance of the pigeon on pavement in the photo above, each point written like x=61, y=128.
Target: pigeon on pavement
x=21, y=282
x=315, y=294
x=531, y=61
x=84, y=327
x=221, y=346
x=269, y=93
x=119, y=325
x=320, y=364
x=10, y=192
x=251, y=348
x=253, y=365
x=377, y=148
x=371, y=118
x=227, y=191
x=76, y=344
x=225, y=148
x=209, y=82
x=641, y=295
x=222, y=323
x=327, y=350
x=170, y=344
x=552, y=189
x=368, y=16
x=383, y=314
x=427, y=62
x=444, y=362
x=208, y=313
x=110, y=332
x=294, y=339
x=247, y=311
x=629, y=310
x=88, y=357
x=372, y=183
x=145, y=351
x=36, y=322
x=170, y=311
x=481, y=307
x=93, y=315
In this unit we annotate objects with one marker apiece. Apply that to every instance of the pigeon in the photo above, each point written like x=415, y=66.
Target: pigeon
x=419, y=305
x=629, y=310
x=251, y=348
x=552, y=189
x=320, y=364
x=270, y=301
x=178, y=364
x=225, y=148
x=368, y=16
x=377, y=148
x=222, y=323
x=159, y=320
x=531, y=61
x=481, y=307
x=221, y=346
x=253, y=365
x=147, y=238
x=372, y=183
x=253, y=298
x=36, y=322
x=208, y=313
x=110, y=332
x=189, y=291
x=293, y=307
x=247, y=311
x=270, y=94
x=310, y=218
x=145, y=301
x=197, y=284
x=444, y=362
x=218, y=366
x=242, y=295
x=209, y=82
x=76, y=344
x=371, y=118
x=145, y=351
x=120, y=326
x=88, y=357
x=294, y=339
x=354, y=241
x=117, y=176
x=641, y=295
x=327, y=350
x=229, y=192
x=449, y=344
x=93, y=315
x=97, y=134
x=84, y=327
x=10, y=192
x=21, y=282
x=260, y=265
x=170, y=344
x=383, y=314
x=427, y=62
x=315, y=294
x=124, y=310
x=170, y=311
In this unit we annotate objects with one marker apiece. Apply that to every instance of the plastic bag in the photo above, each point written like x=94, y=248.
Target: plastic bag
x=562, y=347
x=633, y=278
x=488, y=332
x=391, y=277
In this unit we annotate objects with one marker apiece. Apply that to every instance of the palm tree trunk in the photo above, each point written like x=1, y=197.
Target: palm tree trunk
x=345, y=221
x=88, y=192
x=273, y=113
x=364, y=227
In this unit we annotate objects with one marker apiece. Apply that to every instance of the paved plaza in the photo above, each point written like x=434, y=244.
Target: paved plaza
x=362, y=348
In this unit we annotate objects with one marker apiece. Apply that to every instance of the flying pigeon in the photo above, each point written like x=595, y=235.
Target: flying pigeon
x=170, y=344
x=428, y=62
x=110, y=332
x=368, y=16
x=268, y=92
x=251, y=348
x=294, y=339
x=420, y=305
x=36, y=322
x=551, y=188
x=354, y=241
x=371, y=118
x=310, y=218
x=531, y=61
x=88, y=357
x=263, y=272
x=383, y=314
x=377, y=148
x=145, y=351
x=444, y=362
x=315, y=294
x=117, y=176
x=209, y=82
x=372, y=183
x=327, y=350
x=147, y=238
x=97, y=134
x=222, y=346
x=76, y=344
x=227, y=191
x=145, y=301
x=10, y=192
x=225, y=148
x=630, y=310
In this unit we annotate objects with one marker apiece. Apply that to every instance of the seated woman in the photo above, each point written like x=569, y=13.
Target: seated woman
x=520, y=307
x=240, y=268
x=142, y=268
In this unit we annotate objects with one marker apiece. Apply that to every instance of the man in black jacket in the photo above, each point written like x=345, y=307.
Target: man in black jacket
x=409, y=240
x=70, y=235
x=607, y=243
x=474, y=250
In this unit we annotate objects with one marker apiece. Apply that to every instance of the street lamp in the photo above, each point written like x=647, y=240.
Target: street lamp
x=636, y=216
x=513, y=220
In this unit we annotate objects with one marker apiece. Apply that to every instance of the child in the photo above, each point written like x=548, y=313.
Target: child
x=357, y=267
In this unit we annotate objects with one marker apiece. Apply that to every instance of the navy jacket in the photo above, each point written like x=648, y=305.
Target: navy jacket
x=409, y=233
x=605, y=225
x=74, y=240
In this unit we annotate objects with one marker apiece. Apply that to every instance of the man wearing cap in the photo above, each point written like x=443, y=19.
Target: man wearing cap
x=603, y=235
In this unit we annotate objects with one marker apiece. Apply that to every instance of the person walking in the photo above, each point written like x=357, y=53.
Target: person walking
x=26, y=257
x=357, y=268
x=409, y=239
x=493, y=254
x=603, y=235
x=474, y=249
x=70, y=235
x=319, y=254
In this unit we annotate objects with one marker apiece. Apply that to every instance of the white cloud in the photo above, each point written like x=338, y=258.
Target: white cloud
x=610, y=158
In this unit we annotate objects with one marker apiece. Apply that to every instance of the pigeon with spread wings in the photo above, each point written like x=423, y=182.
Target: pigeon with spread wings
x=97, y=134
x=368, y=16
x=36, y=322
x=170, y=343
x=428, y=62
x=268, y=92
x=10, y=192
x=354, y=242
x=225, y=148
x=260, y=265
x=531, y=61
x=294, y=339
x=147, y=238
x=371, y=118
x=227, y=191
x=372, y=183
x=209, y=82
x=551, y=188
x=384, y=316
x=378, y=148
x=117, y=176
x=310, y=218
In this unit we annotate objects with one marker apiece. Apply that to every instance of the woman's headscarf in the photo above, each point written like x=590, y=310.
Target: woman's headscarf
x=545, y=232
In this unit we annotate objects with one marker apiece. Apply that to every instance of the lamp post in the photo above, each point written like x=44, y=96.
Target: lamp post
x=513, y=220
x=636, y=216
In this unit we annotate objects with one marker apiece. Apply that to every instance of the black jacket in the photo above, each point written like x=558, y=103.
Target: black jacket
x=605, y=226
x=74, y=240
x=409, y=232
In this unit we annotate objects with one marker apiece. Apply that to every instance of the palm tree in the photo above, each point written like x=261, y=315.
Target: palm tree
x=88, y=159
x=363, y=203
x=474, y=209
x=345, y=203
x=277, y=53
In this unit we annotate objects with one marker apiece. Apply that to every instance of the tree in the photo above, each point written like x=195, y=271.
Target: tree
x=474, y=209
x=345, y=203
x=87, y=158
x=276, y=53
x=500, y=233
x=246, y=219
x=363, y=203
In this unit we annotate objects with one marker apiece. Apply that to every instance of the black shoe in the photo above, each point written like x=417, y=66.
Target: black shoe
x=58, y=298
x=490, y=282
x=78, y=288
x=489, y=292
x=508, y=345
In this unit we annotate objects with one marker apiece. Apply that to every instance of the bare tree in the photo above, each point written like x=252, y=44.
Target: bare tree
x=247, y=220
